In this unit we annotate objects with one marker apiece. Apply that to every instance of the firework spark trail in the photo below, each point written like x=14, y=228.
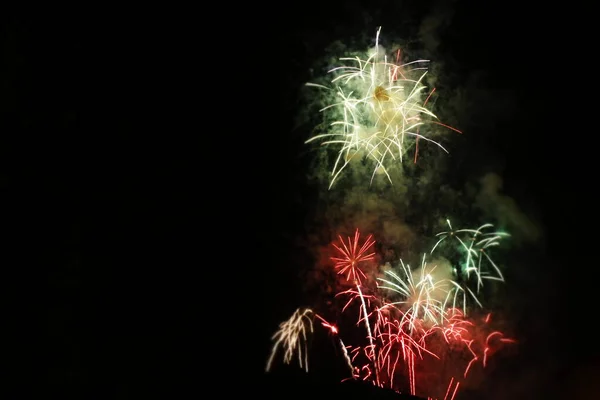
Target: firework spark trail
x=475, y=244
x=373, y=353
x=458, y=330
x=356, y=295
x=381, y=111
x=453, y=392
x=474, y=248
x=418, y=295
x=334, y=330
x=399, y=347
x=394, y=337
x=400, y=351
x=292, y=336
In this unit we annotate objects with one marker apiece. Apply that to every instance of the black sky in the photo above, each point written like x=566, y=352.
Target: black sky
x=138, y=151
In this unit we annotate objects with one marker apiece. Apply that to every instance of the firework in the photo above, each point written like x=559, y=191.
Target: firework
x=423, y=296
x=473, y=247
x=418, y=343
x=412, y=332
x=351, y=255
x=379, y=111
x=292, y=336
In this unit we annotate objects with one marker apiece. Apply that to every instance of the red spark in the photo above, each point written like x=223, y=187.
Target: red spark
x=327, y=325
x=352, y=255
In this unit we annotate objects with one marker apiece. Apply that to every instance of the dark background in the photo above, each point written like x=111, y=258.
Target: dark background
x=155, y=187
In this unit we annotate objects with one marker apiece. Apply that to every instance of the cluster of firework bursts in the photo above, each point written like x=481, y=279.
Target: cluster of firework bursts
x=415, y=324
x=423, y=330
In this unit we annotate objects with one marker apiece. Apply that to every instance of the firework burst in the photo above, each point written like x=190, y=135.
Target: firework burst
x=475, y=263
x=422, y=297
x=292, y=337
x=419, y=343
x=351, y=254
x=379, y=111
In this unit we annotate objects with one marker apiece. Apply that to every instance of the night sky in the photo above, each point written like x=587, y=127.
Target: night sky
x=156, y=181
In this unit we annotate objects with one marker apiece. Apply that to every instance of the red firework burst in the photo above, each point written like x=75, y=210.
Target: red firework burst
x=351, y=254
